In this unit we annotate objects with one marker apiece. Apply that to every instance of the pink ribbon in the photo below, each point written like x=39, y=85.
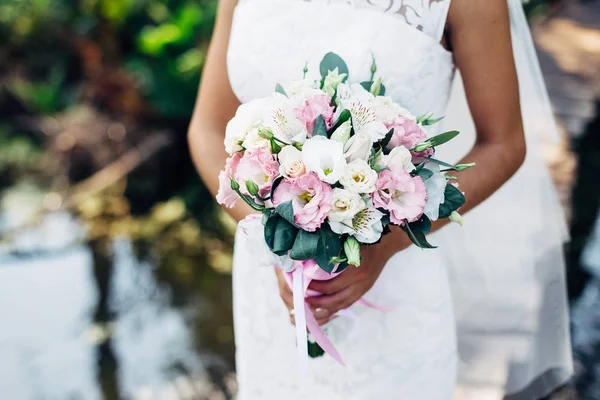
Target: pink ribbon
x=299, y=279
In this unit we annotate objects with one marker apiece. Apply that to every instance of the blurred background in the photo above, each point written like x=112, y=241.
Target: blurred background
x=114, y=259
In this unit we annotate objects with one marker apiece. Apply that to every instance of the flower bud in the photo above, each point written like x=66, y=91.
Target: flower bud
x=234, y=185
x=352, y=250
x=376, y=87
x=421, y=146
x=251, y=187
x=456, y=217
x=462, y=167
x=342, y=133
x=265, y=133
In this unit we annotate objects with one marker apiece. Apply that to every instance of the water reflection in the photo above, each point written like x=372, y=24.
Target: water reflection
x=92, y=321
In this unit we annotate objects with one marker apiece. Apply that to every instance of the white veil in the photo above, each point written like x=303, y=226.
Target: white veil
x=509, y=288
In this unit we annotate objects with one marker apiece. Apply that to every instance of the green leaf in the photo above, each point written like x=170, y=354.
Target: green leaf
x=387, y=138
x=284, y=237
x=320, y=127
x=443, y=164
x=329, y=246
x=422, y=225
x=453, y=200
x=417, y=237
x=330, y=62
x=367, y=86
x=280, y=89
x=305, y=246
x=423, y=173
x=428, y=121
x=286, y=211
x=314, y=350
x=442, y=138
x=269, y=231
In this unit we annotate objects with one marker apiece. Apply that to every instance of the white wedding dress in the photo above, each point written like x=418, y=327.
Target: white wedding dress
x=411, y=353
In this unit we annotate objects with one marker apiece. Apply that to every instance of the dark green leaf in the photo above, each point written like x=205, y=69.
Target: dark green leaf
x=344, y=116
x=284, y=237
x=428, y=122
x=314, y=350
x=341, y=267
x=329, y=246
x=382, y=90
x=270, y=226
x=320, y=127
x=423, y=173
x=422, y=225
x=453, y=200
x=280, y=89
x=305, y=246
x=367, y=86
x=286, y=210
x=417, y=237
x=442, y=138
x=330, y=62
x=387, y=138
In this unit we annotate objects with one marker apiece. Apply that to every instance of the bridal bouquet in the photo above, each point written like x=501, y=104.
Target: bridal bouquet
x=330, y=166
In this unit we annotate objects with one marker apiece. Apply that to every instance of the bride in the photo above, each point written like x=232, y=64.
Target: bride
x=488, y=307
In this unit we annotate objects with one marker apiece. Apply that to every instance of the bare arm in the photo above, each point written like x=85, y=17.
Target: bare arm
x=215, y=106
x=479, y=33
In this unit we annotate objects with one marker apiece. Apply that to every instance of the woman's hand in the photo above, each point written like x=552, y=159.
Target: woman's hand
x=323, y=316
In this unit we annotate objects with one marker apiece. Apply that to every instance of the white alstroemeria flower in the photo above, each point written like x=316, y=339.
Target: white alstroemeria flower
x=291, y=165
x=436, y=186
x=254, y=141
x=399, y=159
x=248, y=117
x=332, y=81
x=281, y=118
x=342, y=133
x=359, y=177
x=345, y=206
x=358, y=147
x=366, y=225
x=359, y=102
x=325, y=157
x=303, y=88
x=388, y=111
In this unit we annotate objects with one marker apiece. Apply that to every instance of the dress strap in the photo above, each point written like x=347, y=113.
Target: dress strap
x=434, y=21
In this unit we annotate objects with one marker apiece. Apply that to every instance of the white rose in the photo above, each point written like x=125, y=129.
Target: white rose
x=358, y=147
x=345, y=206
x=291, y=164
x=399, y=159
x=304, y=88
x=436, y=186
x=325, y=157
x=247, y=117
x=359, y=177
x=254, y=141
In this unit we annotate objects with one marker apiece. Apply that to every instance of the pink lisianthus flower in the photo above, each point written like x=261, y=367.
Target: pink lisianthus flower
x=312, y=107
x=311, y=199
x=407, y=133
x=420, y=156
x=260, y=167
x=226, y=195
x=402, y=195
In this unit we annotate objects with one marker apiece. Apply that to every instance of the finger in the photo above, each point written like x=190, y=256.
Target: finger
x=333, y=303
x=321, y=315
x=336, y=284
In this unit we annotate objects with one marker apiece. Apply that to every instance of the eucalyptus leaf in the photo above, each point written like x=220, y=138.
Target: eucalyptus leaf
x=453, y=200
x=417, y=237
x=320, y=128
x=329, y=246
x=423, y=173
x=330, y=62
x=269, y=231
x=286, y=211
x=422, y=225
x=305, y=246
x=284, y=237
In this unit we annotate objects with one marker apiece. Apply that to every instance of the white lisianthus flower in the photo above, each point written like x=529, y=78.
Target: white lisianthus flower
x=248, y=117
x=436, y=186
x=345, y=206
x=281, y=119
x=399, y=159
x=254, y=141
x=359, y=177
x=358, y=147
x=362, y=107
x=332, y=81
x=366, y=225
x=325, y=157
x=291, y=165
x=342, y=133
x=302, y=88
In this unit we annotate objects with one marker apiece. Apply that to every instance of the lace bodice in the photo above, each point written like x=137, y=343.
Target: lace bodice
x=272, y=40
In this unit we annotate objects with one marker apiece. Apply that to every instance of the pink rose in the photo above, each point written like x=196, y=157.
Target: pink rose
x=407, y=133
x=260, y=167
x=226, y=196
x=311, y=199
x=400, y=194
x=312, y=107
